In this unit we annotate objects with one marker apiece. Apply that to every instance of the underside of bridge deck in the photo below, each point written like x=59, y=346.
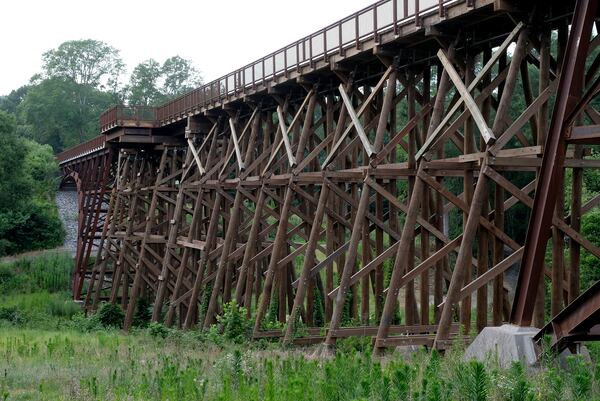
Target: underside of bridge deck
x=357, y=182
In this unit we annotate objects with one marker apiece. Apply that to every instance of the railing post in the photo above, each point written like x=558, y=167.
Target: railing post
x=298, y=56
x=375, y=37
x=325, y=45
x=340, y=43
x=310, y=48
x=356, y=32
x=395, y=15
x=417, y=16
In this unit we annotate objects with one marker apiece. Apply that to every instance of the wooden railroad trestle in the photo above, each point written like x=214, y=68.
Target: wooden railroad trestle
x=369, y=197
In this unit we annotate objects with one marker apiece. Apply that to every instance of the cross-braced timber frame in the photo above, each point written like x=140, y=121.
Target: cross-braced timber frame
x=364, y=192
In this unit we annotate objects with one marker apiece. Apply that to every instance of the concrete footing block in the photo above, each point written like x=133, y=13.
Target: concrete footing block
x=408, y=351
x=506, y=344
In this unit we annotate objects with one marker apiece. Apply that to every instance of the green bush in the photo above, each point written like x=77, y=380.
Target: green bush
x=352, y=345
x=110, y=315
x=236, y=327
x=158, y=330
x=39, y=228
x=143, y=313
x=11, y=314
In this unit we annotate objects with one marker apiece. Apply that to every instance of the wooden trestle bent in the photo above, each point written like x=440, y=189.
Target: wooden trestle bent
x=369, y=193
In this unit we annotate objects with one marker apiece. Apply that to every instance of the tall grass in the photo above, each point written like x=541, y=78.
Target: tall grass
x=50, y=272
x=48, y=352
x=34, y=291
x=46, y=365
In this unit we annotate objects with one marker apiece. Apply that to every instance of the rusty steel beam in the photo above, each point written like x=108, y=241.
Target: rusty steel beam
x=578, y=322
x=569, y=90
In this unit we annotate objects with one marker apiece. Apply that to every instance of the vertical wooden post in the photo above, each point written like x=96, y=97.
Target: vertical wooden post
x=174, y=224
x=278, y=246
x=483, y=252
x=111, y=218
x=211, y=237
x=410, y=304
x=464, y=257
x=230, y=236
x=120, y=270
x=247, y=270
x=141, y=263
x=468, y=147
x=309, y=260
x=340, y=298
x=425, y=213
x=401, y=262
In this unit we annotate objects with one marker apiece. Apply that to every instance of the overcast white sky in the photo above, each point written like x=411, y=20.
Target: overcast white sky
x=219, y=36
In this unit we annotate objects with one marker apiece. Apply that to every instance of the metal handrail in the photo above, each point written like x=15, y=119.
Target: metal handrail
x=370, y=22
x=113, y=116
x=91, y=146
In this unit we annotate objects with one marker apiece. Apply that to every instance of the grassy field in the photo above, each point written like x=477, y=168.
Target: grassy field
x=49, y=351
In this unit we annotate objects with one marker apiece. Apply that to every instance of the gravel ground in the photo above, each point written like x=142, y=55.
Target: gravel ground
x=67, y=209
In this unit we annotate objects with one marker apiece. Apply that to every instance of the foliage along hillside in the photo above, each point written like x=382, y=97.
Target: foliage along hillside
x=28, y=181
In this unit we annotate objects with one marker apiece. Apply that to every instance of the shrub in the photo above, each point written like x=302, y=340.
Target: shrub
x=590, y=265
x=110, y=315
x=85, y=324
x=352, y=345
x=143, y=313
x=158, y=330
x=236, y=327
x=11, y=314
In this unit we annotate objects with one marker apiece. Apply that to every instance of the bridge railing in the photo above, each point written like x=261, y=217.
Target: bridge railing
x=366, y=24
x=82, y=149
x=127, y=116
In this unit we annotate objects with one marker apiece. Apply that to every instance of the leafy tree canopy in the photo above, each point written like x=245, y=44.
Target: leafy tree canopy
x=51, y=113
x=143, y=84
x=151, y=84
x=180, y=76
x=85, y=62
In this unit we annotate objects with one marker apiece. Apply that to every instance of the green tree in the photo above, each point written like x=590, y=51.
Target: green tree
x=590, y=265
x=15, y=185
x=151, y=84
x=50, y=114
x=143, y=84
x=85, y=62
x=89, y=65
x=10, y=102
x=180, y=76
x=28, y=215
x=42, y=168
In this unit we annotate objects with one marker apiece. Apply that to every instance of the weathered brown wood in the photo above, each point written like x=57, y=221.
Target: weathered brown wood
x=264, y=178
x=211, y=235
x=464, y=255
x=141, y=264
